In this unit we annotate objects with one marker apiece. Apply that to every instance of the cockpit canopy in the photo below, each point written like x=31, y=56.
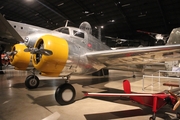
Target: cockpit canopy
x=75, y=32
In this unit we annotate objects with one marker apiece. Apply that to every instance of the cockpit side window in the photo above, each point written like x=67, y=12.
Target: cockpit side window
x=78, y=34
x=63, y=30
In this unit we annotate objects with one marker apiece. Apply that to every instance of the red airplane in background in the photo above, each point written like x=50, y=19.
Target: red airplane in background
x=161, y=39
x=153, y=100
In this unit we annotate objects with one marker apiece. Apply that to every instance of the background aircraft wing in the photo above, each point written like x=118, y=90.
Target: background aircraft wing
x=8, y=34
x=135, y=56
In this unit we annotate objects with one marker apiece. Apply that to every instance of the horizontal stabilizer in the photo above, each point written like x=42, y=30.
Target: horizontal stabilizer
x=116, y=94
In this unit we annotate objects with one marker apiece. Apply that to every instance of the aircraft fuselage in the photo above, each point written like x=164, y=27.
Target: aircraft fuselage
x=79, y=43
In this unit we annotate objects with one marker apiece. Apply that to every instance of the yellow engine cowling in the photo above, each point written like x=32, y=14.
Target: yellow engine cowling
x=51, y=65
x=21, y=59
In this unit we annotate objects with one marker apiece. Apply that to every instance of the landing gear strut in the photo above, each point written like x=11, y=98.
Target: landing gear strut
x=65, y=93
x=134, y=76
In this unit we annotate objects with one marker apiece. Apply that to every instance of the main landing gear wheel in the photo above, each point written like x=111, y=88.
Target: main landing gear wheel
x=65, y=94
x=32, y=81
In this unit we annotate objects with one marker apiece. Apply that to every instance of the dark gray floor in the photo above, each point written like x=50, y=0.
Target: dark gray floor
x=19, y=103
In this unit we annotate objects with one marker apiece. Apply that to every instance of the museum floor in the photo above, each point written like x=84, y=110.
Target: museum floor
x=19, y=103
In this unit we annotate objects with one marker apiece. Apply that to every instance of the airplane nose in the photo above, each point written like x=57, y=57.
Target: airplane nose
x=51, y=55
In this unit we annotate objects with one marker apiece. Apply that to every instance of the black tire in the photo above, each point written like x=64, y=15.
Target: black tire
x=178, y=115
x=32, y=82
x=61, y=91
x=106, y=71
x=101, y=72
x=152, y=118
x=98, y=73
x=134, y=76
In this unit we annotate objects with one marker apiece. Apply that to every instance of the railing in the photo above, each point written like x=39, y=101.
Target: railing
x=157, y=79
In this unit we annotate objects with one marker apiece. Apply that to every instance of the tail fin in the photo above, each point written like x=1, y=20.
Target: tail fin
x=174, y=37
x=126, y=86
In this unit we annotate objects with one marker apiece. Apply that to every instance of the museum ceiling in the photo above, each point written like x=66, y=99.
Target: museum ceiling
x=119, y=18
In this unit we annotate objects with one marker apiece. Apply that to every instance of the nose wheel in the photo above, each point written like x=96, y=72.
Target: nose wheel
x=32, y=82
x=152, y=118
x=65, y=94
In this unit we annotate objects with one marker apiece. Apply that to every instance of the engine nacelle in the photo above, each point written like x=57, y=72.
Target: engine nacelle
x=20, y=60
x=51, y=65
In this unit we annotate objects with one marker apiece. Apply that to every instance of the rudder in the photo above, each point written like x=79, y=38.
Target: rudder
x=127, y=86
x=174, y=37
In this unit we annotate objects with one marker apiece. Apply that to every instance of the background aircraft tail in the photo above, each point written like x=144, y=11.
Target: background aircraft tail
x=174, y=37
x=126, y=86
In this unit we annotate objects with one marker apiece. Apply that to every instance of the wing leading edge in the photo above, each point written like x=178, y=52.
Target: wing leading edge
x=8, y=34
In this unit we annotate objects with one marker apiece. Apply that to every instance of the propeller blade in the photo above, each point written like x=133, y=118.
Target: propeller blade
x=41, y=51
x=27, y=50
x=11, y=53
x=178, y=100
x=176, y=105
x=175, y=96
x=46, y=52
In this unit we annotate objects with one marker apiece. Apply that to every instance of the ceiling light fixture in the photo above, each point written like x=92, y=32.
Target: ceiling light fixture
x=36, y=14
x=125, y=5
x=111, y=21
x=60, y=4
x=29, y=0
x=142, y=15
x=1, y=7
x=85, y=12
x=90, y=14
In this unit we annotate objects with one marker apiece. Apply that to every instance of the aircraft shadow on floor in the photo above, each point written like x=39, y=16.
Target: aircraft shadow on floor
x=44, y=101
x=48, y=84
x=136, y=113
x=50, y=99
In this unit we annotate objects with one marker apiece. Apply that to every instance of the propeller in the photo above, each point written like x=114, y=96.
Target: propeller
x=178, y=100
x=40, y=51
x=11, y=53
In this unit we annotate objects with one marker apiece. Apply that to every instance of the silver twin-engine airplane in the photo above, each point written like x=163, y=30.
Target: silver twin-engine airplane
x=70, y=50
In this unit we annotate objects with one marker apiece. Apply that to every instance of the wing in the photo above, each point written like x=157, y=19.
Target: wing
x=116, y=94
x=126, y=94
x=135, y=56
x=7, y=33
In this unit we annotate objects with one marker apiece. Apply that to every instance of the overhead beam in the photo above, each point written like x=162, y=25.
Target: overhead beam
x=163, y=16
x=25, y=18
x=123, y=15
x=85, y=8
x=54, y=10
